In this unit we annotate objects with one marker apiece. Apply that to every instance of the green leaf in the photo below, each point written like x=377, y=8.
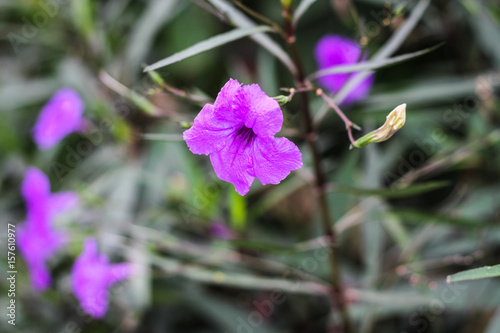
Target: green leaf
x=391, y=46
x=83, y=17
x=391, y=192
x=138, y=100
x=301, y=9
x=206, y=45
x=238, y=19
x=372, y=65
x=424, y=218
x=156, y=14
x=162, y=137
x=485, y=28
x=260, y=246
x=475, y=274
x=238, y=210
x=237, y=280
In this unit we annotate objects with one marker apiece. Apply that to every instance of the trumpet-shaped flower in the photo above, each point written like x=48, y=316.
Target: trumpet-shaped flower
x=237, y=131
x=38, y=242
x=92, y=276
x=61, y=116
x=334, y=50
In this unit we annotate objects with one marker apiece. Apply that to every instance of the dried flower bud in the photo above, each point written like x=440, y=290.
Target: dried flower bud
x=394, y=121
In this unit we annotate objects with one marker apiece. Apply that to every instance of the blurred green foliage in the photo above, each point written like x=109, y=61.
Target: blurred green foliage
x=409, y=211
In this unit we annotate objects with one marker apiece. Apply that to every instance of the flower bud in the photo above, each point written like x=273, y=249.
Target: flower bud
x=185, y=124
x=286, y=4
x=394, y=121
x=282, y=99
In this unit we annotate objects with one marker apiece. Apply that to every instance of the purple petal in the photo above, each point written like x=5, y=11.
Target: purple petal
x=61, y=116
x=224, y=103
x=37, y=247
x=92, y=276
x=35, y=186
x=117, y=273
x=360, y=92
x=39, y=276
x=62, y=201
x=38, y=242
x=36, y=191
x=241, y=116
x=208, y=134
x=234, y=164
x=262, y=113
x=274, y=159
x=221, y=230
x=335, y=50
x=94, y=300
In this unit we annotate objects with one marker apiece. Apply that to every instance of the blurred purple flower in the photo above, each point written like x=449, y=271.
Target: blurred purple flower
x=221, y=230
x=37, y=241
x=335, y=50
x=238, y=134
x=61, y=116
x=92, y=277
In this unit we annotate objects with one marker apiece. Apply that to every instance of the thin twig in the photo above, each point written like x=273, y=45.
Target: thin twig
x=348, y=123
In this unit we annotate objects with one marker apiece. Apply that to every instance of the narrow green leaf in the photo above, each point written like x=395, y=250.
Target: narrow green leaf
x=475, y=274
x=397, y=231
x=485, y=28
x=237, y=280
x=206, y=45
x=372, y=65
x=239, y=19
x=390, y=192
x=391, y=46
x=137, y=99
x=260, y=246
x=83, y=17
x=162, y=137
x=424, y=218
x=301, y=9
x=156, y=14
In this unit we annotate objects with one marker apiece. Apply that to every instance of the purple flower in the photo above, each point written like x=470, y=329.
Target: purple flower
x=38, y=242
x=335, y=50
x=238, y=134
x=221, y=230
x=92, y=277
x=61, y=116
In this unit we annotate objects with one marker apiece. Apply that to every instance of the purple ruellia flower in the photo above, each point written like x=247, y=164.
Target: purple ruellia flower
x=238, y=134
x=92, y=277
x=61, y=116
x=335, y=50
x=36, y=239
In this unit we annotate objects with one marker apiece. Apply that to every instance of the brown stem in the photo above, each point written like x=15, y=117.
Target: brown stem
x=348, y=123
x=338, y=296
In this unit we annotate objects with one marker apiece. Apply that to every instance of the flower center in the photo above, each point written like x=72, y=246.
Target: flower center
x=245, y=134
